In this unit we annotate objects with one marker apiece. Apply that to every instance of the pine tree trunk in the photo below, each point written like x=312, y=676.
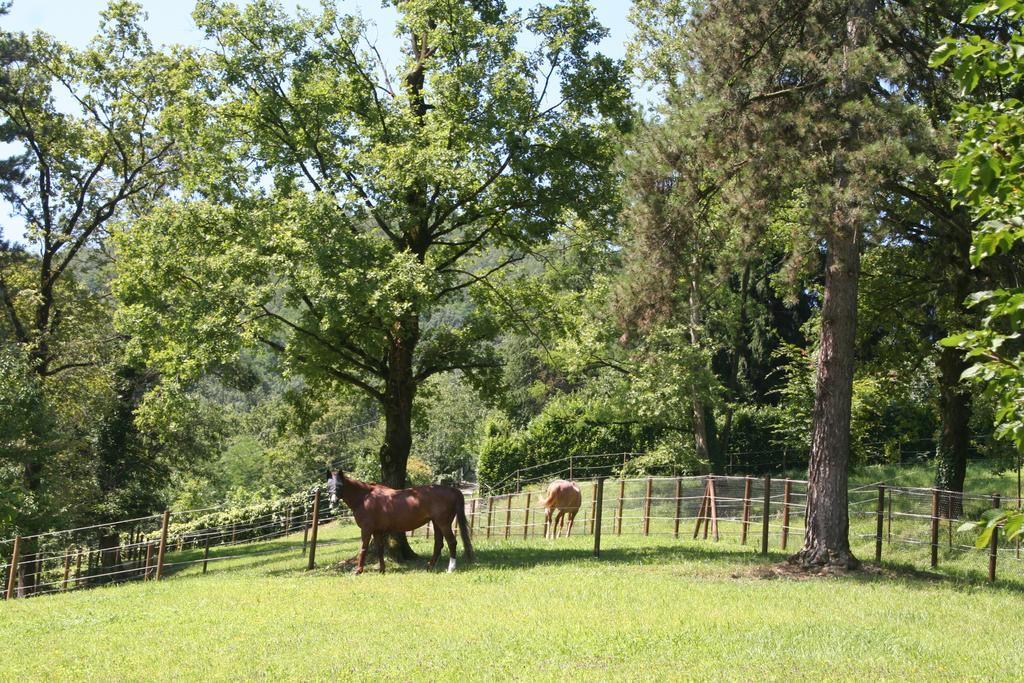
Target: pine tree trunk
x=398, y=399
x=705, y=432
x=827, y=542
x=828, y=524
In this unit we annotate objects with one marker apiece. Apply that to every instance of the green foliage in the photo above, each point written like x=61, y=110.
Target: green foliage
x=570, y=425
x=24, y=434
x=986, y=175
x=336, y=214
x=242, y=515
x=448, y=426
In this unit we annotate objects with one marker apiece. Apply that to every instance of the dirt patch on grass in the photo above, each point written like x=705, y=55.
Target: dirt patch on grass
x=793, y=572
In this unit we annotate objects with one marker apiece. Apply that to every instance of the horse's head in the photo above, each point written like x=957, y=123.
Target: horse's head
x=333, y=482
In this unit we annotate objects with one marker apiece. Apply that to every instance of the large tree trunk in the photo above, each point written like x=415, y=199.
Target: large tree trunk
x=705, y=432
x=954, y=397
x=29, y=566
x=828, y=524
x=30, y=563
x=398, y=399
x=739, y=344
x=827, y=542
x=955, y=440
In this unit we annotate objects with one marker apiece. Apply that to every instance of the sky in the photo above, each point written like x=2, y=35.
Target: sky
x=170, y=22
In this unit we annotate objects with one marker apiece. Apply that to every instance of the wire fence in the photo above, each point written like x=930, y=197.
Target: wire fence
x=143, y=548
x=902, y=524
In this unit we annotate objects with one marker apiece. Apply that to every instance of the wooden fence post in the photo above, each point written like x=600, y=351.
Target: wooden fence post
x=679, y=505
x=526, y=517
x=879, y=522
x=701, y=514
x=935, y=528
x=888, y=538
x=622, y=494
x=78, y=566
x=312, y=532
x=149, y=559
x=593, y=505
x=746, y=511
x=12, y=575
x=647, y=508
x=508, y=516
x=490, y=514
x=993, y=545
x=786, y=489
x=598, y=505
x=67, y=569
x=163, y=545
x=206, y=553
x=767, y=513
x=713, y=504
x=305, y=528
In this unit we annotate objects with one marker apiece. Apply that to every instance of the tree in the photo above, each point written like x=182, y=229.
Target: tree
x=86, y=127
x=986, y=176
x=331, y=209
x=799, y=99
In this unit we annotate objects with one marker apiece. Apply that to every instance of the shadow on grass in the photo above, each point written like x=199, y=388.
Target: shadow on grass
x=523, y=557
x=735, y=561
x=950, y=577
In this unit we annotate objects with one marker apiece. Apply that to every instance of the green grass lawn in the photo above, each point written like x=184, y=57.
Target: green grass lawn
x=535, y=609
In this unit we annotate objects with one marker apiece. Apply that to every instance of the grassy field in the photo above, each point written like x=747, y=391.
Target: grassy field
x=537, y=609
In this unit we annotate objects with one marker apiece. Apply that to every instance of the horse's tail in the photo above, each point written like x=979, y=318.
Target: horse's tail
x=460, y=513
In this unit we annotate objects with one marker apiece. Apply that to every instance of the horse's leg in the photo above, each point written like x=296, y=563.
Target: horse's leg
x=449, y=536
x=572, y=520
x=438, y=542
x=547, y=520
x=361, y=556
x=380, y=551
x=559, y=523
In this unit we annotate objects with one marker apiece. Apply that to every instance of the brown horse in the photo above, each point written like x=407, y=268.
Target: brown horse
x=379, y=510
x=566, y=496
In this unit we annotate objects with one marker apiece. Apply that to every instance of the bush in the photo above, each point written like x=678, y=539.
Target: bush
x=569, y=426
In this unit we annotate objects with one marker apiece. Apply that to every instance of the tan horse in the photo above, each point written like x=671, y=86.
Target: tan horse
x=566, y=496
